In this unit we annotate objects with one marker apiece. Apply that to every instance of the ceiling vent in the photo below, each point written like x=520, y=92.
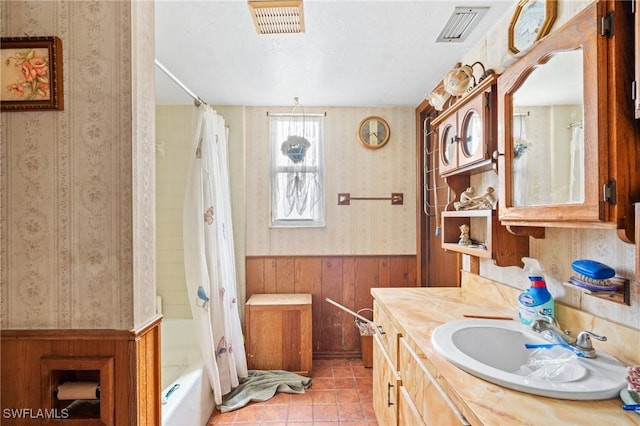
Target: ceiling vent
x=461, y=22
x=277, y=16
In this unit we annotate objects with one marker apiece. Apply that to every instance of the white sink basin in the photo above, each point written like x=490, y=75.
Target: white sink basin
x=494, y=350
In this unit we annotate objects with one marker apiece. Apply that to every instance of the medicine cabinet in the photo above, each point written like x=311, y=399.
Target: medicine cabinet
x=566, y=152
x=467, y=131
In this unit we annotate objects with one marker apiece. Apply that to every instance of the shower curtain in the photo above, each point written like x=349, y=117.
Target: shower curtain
x=209, y=254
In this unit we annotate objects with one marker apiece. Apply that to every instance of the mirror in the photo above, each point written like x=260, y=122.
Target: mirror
x=373, y=132
x=548, y=160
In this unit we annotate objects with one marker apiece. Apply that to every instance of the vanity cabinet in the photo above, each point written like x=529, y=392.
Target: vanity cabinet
x=467, y=131
x=404, y=390
x=386, y=381
x=567, y=147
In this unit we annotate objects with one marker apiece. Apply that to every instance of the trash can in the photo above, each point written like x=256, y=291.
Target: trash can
x=366, y=336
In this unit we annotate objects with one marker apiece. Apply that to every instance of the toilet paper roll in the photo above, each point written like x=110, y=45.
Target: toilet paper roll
x=79, y=390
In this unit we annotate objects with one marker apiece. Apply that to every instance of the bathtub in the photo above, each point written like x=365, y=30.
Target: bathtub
x=186, y=394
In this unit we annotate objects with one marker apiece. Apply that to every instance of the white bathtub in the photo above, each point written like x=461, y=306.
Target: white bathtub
x=186, y=389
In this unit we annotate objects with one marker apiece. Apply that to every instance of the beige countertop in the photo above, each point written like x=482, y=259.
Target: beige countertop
x=416, y=312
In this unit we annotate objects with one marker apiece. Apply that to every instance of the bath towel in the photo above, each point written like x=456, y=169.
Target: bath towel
x=261, y=385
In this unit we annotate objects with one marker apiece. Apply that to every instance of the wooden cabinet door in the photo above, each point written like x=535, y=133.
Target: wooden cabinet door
x=386, y=382
x=434, y=406
x=407, y=412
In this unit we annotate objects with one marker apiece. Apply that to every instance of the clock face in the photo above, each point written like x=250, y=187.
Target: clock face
x=527, y=28
x=531, y=21
x=373, y=132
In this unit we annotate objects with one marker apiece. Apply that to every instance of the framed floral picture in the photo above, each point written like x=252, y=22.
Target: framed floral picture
x=31, y=74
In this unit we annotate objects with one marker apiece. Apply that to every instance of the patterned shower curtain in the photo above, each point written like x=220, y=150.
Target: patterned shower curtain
x=209, y=254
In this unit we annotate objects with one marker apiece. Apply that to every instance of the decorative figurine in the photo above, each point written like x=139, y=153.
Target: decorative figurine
x=467, y=201
x=465, y=240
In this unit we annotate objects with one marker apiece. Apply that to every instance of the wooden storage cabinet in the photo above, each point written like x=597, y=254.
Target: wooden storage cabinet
x=606, y=180
x=467, y=131
x=278, y=332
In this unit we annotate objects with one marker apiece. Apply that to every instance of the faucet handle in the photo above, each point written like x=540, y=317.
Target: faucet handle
x=583, y=340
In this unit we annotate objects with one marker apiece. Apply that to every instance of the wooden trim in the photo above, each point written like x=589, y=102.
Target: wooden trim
x=135, y=359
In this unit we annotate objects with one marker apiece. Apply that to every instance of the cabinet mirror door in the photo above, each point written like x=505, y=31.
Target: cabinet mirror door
x=553, y=106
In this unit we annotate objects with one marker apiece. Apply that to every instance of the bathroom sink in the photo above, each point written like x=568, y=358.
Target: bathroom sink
x=494, y=350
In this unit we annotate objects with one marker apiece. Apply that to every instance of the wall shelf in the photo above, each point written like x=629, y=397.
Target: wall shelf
x=491, y=240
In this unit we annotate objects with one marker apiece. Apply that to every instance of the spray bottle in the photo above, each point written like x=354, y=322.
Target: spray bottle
x=535, y=300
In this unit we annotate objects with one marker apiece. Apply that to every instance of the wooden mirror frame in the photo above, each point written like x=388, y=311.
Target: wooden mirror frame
x=363, y=132
x=580, y=32
x=543, y=28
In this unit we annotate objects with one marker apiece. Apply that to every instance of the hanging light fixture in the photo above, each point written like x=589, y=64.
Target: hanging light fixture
x=277, y=16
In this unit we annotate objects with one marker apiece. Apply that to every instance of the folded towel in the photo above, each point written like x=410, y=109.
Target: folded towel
x=260, y=385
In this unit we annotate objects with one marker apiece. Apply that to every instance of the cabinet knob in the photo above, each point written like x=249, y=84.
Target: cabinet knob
x=495, y=154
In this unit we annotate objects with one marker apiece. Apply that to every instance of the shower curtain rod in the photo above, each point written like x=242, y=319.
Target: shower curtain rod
x=197, y=99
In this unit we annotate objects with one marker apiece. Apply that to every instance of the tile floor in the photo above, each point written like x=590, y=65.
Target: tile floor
x=341, y=394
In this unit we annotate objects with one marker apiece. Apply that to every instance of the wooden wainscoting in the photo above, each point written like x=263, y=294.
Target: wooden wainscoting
x=126, y=363
x=344, y=279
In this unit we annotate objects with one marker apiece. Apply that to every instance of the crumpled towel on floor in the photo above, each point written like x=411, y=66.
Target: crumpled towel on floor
x=261, y=385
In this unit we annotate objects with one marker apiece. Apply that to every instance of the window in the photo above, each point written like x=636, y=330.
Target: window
x=297, y=170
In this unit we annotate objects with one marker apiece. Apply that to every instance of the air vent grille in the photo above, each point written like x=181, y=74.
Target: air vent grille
x=277, y=17
x=461, y=22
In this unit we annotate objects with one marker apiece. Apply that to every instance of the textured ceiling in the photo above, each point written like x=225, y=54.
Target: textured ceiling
x=353, y=53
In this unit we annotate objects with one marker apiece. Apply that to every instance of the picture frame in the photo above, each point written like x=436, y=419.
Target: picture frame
x=531, y=21
x=31, y=74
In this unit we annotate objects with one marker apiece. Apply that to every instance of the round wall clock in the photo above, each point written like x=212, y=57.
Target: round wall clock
x=531, y=21
x=373, y=132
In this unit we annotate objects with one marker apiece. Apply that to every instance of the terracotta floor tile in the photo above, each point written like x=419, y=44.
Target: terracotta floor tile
x=325, y=412
x=250, y=413
x=350, y=412
x=275, y=413
x=300, y=413
x=341, y=395
x=347, y=396
x=367, y=409
x=324, y=397
x=345, y=383
x=364, y=382
x=301, y=398
x=322, y=383
x=342, y=372
x=320, y=372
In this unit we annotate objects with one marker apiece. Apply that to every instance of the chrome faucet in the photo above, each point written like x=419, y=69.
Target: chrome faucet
x=549, y=328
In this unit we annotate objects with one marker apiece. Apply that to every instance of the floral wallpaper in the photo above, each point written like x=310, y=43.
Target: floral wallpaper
x=77, y=221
